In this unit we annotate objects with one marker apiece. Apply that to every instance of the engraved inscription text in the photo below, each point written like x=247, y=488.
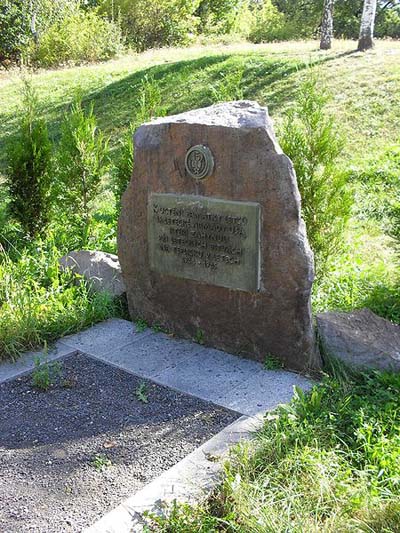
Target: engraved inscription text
x=205, y=239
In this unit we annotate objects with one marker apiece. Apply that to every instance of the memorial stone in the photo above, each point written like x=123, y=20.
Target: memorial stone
x=211, y=241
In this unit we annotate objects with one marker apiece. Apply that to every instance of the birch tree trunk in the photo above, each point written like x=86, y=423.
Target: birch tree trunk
x=327, y=25
x=367, y=25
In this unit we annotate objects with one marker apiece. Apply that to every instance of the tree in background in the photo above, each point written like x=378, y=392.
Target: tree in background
x=366, y=37
x=29, y=157
x=302, y=18
x=154, y=23
x=218, y=16
x=327, y=25
x=35, y=31
x=13, y=30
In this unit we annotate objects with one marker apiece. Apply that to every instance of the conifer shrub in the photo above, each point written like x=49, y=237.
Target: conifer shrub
x=82, y=162
x=29, y=159
x=311, y=138
x=149, y=105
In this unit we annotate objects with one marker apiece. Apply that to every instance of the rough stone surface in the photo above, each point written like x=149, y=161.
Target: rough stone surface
x=361, y=338
x=101, y=269
x=249, y=167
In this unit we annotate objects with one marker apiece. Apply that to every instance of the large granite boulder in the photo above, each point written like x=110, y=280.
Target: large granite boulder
x=100, y=269
x=361, y=339
x=211, y=241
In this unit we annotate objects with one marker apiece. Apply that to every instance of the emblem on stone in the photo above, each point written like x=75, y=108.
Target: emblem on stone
x=199, y=162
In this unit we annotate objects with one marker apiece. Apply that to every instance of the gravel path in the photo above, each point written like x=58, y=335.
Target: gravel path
x=71, y=454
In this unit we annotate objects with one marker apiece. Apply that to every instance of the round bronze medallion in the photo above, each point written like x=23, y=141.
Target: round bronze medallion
x=199, y=162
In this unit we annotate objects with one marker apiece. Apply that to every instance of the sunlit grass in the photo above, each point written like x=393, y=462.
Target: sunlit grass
x=327, y=462
x=40, y=304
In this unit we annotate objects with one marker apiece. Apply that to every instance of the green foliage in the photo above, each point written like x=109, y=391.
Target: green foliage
x=141, y=392
x=302, y=18
x=40, y=304
x=378, y=191
x=272, y=363
x=13, y=29
x=388, y=22
x=29, y=156
x=328, y=461
x=78, y=37
x=124, y=167
x=82, y=162
x=268, y=23
x=23, y=23
x=350, y=286
x=219, y=16
x=149, y=101
x=394, y=201
x=141, y=325
x=148, y=106
x=311, y=139
x=229, y=87
x=153, y=23
x=45, y=374
x=199, y=337
x=100, y=462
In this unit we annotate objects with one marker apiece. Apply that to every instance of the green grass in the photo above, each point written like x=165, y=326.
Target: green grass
x=365, y=87
x=327, y=462
x=39, y=304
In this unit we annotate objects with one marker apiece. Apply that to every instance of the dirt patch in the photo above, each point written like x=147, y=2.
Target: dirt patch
x=71, y=454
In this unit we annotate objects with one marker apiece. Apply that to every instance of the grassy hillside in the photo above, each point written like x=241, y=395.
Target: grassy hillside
x=365, y=87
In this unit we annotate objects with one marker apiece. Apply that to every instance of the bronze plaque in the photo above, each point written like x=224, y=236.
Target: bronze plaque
x=205, y=239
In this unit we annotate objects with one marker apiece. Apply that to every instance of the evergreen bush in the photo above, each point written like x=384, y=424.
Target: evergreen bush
x=81, y=164
x=149, y=105
x=29, y=159
x=311, y=139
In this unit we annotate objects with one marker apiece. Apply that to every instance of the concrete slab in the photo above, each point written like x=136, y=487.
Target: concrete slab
x=150, y=354
x=105, y=337
x=227, y=380
x=9, y=370
x=189, y=481
x=264, y=391
x=209, y=374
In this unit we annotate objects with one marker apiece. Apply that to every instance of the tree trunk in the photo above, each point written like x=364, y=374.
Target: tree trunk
x=327, y=25
x=367, y=25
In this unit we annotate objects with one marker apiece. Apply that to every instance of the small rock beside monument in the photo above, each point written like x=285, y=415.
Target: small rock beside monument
x=361, y=339
x=100, y=269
